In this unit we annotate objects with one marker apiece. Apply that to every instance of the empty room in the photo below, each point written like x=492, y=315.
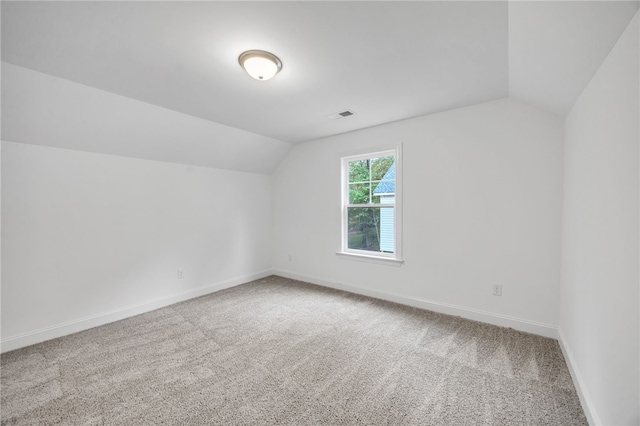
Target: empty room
x=320, y=213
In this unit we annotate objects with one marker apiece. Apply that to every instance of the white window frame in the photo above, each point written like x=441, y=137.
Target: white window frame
x=394, y=258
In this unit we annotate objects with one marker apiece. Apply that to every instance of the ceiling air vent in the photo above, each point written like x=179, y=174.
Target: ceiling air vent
x=341, y=114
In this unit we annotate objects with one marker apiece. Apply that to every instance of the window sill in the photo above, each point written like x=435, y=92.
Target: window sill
x=371, y=259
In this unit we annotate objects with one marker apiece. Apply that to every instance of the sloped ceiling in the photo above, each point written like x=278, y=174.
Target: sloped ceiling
x=386, y=61
x=555, y=48
x=41, y=109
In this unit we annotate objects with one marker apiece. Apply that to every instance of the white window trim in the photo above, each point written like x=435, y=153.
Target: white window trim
x=394, y=258
x=370, y=258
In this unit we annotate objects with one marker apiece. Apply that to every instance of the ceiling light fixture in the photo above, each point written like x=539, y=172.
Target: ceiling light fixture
x=259, y=64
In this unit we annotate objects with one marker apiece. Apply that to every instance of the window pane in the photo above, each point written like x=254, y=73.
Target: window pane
x=359, y=171
x=370, y=222
x=364, y=228
x=380, y=167
x=359, y=193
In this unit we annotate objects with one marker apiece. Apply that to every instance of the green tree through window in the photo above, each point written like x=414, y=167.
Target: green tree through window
x=365, y=202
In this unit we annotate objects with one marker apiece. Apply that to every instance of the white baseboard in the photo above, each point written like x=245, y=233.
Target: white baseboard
x=66, y=328
x=585, y=400
x=520, y=324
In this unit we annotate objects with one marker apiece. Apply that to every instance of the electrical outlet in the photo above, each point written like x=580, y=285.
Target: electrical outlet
x=180, y=273
x=497, y=290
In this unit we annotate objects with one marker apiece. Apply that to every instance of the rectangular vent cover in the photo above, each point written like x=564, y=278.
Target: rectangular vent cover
x=341, y=114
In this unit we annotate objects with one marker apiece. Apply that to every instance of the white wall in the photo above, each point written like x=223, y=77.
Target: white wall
x=89, y=238
x=482, y=194
x=599, y=323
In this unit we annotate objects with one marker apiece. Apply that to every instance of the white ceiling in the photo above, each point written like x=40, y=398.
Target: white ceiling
x=41, y=109
x=555, y=48
x=386, y=61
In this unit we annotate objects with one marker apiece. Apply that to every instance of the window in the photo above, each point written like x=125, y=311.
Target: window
x=371, y=205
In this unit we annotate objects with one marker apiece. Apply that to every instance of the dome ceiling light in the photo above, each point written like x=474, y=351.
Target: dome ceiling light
x=259, y=64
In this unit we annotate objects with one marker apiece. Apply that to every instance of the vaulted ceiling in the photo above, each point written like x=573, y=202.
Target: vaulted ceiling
x=386, y=61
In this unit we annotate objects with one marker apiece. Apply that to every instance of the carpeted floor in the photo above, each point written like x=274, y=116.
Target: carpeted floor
x=277, y=351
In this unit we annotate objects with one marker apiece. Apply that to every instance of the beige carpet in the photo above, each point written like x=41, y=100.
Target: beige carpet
x=277, y=351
